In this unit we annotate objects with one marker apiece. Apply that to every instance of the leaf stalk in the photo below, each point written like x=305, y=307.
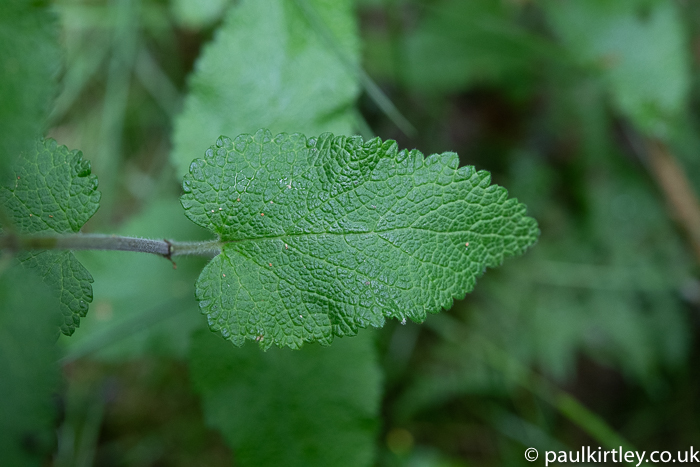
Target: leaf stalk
x=166, y=248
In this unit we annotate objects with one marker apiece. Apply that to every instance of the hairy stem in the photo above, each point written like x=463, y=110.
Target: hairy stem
x=165, y=248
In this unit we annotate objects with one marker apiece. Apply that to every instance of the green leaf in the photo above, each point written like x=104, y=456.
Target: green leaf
x=52, y=190
x=267, y=67
x=313, y=407
x=28, y=368
x=326, y=235
x=68, y=279
x=29, y=61
x=638, y=47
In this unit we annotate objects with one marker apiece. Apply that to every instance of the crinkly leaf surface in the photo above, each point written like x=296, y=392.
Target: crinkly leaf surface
x=52, y=190
x=326, y=235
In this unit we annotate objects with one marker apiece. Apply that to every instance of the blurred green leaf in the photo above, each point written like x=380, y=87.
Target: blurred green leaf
x=28, y=320
x=29, y=62
x=639, y=47
x=267, y=68
x=52, y=190
x=311, y=407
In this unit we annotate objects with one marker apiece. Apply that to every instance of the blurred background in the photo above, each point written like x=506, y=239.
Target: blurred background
x=585, y=111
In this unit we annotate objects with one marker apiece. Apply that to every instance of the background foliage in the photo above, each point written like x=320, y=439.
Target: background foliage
x=586, y=111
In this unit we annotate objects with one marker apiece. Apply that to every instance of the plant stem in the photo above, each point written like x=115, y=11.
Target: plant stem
x=165, y=248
